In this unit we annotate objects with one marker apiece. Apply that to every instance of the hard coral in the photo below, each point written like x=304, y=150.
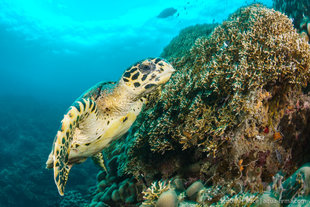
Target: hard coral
x=152, y=193
x=299, y=12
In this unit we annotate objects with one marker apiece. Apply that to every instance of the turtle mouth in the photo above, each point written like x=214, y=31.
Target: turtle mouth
x=165, y=76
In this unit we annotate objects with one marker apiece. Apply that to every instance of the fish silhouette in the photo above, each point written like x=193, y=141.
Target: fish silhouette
x=167, y=12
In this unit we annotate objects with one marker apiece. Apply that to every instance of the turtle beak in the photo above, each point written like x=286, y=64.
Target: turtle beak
x=169, y=69
x=172, y=70
x=165, y=76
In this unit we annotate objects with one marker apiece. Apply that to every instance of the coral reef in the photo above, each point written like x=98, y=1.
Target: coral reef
x=234, y=114
x=73, y=199
x=115, y=190
x=26, y=132
x=154, y=192
x=293, y=191
x=299, y=12
x=22, y=174
x=230, y=113
x=296, y=187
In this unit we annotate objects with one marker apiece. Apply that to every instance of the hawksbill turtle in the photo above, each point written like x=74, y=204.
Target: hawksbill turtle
x=102, y=114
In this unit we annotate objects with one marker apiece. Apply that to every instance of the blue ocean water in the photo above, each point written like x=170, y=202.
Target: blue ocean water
x=53, y=50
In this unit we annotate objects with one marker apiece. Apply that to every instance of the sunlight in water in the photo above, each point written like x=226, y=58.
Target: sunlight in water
x=88, y=23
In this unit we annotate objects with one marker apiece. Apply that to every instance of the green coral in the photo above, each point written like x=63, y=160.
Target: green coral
x=114, y=190
x=297, y=186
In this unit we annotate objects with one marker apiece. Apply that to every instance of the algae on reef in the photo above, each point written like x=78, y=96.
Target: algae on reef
x=234, y=114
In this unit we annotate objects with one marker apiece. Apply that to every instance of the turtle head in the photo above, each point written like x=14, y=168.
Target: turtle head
x=145, y=76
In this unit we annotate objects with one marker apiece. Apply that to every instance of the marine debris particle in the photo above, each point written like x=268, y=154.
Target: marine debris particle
x=167, y=13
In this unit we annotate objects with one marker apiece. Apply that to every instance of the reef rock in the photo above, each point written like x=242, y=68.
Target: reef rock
x=192, y=191
x=167, y=199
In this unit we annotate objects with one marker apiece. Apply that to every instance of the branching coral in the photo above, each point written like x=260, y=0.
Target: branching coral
x=152, y=193
x=297, y=10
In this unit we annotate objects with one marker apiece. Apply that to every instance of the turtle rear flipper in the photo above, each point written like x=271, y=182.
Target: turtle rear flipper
x=100, y=161
x=74, y=117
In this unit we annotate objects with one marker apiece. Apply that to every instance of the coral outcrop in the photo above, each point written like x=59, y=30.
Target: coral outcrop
x=228, y=108
x=234, y=114
x=293, y=191
x=167, y=193
x=113, y=189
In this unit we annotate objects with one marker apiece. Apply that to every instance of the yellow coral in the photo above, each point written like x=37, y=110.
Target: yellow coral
x=152, y=193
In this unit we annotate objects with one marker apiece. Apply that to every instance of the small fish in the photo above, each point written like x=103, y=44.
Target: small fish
x=167, y=13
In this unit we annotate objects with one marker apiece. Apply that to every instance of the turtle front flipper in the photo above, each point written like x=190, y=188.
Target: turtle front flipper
x=100, y=161
x=62, y=145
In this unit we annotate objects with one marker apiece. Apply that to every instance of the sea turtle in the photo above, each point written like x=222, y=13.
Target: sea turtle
x=102, y=114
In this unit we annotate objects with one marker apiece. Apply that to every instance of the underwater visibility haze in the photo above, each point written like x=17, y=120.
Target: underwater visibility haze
x=228, y=126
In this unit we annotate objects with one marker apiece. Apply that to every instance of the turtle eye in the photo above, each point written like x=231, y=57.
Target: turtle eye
x=146, y=68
